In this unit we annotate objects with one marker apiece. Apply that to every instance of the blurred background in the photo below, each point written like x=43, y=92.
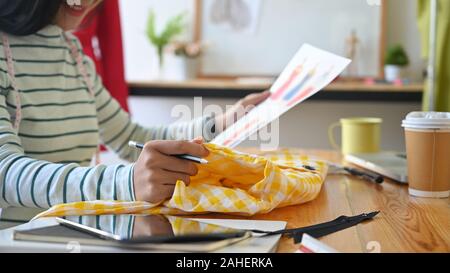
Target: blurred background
x=168, y=52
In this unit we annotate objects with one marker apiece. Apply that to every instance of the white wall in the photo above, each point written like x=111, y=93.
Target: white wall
x=305, y=126
x=141, y=59
x=283, y=26
x=403, y=29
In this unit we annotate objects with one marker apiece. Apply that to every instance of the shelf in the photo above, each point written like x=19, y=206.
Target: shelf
x=345, y=91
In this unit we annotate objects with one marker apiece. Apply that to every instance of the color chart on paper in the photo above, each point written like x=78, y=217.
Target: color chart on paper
x=307, y=73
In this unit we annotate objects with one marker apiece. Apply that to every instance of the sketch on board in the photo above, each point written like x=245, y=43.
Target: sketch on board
x=237, y=15
x=352, y=45
x=283, y=25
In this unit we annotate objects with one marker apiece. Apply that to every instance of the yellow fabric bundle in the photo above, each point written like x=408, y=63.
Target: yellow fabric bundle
x=232, y=182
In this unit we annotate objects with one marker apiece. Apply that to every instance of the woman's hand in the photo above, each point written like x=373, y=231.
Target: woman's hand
x=156, y=171
x=152, y=225
x=240, y=109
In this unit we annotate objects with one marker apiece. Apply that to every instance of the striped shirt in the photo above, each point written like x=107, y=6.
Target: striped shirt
x=46, y=161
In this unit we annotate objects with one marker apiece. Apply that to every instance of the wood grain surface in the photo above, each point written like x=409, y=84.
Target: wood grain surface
x=405, y=223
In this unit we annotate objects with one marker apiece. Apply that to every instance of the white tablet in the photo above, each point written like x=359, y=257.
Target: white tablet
x=148, y=232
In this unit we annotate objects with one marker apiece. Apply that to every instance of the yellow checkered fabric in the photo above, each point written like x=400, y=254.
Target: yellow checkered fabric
x=232, y=182
x=182, y=227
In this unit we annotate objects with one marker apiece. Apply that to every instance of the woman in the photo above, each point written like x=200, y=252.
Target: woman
x=54, y=111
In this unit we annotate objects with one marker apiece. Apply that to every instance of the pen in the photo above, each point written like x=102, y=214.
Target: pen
x=366, y=175
x=192, y=158
x=338, y=169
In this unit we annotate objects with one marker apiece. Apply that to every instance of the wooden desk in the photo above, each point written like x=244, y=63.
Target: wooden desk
x=405, y=223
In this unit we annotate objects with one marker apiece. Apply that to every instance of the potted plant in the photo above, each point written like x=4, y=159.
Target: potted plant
x=395, y=61
x=187, y=54
x=174, y=27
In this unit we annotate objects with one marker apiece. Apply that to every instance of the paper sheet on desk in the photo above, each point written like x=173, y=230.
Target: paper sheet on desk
x=307, y=73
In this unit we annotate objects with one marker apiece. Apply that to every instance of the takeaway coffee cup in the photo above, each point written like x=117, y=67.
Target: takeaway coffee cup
x=428, y=153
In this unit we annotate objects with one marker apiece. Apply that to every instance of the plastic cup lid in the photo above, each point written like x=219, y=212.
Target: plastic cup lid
x=427, y=120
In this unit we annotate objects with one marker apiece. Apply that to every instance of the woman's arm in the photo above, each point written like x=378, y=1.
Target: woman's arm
x=27, y=182
x=117, y=128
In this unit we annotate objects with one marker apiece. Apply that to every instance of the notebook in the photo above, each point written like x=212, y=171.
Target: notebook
x=389, y=164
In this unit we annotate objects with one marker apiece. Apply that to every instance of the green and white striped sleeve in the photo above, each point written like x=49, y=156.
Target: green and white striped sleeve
x=27, y=182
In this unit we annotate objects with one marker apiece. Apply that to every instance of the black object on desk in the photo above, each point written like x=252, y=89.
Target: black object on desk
x=339, y=169
x=365, y=175
x=323, y=229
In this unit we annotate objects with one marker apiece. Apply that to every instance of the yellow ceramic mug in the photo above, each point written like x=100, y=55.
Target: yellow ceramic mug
x=359, y=135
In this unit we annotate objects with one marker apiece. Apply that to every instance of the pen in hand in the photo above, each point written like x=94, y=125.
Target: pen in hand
x=192, y=158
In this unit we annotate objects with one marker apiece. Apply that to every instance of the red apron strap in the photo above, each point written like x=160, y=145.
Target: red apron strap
x=12, y=79
x=80, y=64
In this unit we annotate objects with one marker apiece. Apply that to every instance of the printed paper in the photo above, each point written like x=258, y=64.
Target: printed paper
x=310, y=71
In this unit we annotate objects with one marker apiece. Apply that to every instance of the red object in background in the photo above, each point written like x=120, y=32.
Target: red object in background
x=104, y=26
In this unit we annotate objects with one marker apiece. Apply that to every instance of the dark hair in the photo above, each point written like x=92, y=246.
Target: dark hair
x=25, y=17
